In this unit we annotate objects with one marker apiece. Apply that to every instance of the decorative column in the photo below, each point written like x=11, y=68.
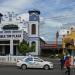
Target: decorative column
x=3, y=50
x=11, y=47
x=17, y=53
x=37, y=48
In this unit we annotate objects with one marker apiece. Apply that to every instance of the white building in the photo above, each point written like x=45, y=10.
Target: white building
x=12, y=32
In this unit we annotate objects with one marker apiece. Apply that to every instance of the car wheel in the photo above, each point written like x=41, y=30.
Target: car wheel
x=46, y=67
x=24, y=67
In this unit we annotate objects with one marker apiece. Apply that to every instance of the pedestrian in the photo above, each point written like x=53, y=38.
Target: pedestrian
x=62, y=63
x=67, y=65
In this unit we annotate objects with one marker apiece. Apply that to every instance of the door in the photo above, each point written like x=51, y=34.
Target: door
x=38, y=63
x=29, y=62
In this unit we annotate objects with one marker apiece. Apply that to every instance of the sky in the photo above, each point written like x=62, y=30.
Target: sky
x=54, y=13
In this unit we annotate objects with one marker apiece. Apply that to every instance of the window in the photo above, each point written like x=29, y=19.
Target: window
x=29, y=59
x=38, y=60
x=33, y=29
x=33, y=46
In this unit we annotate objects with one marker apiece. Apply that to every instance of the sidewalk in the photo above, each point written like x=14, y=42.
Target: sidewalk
x=7, y=64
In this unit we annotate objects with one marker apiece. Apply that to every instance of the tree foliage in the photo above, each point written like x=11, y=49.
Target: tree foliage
x=24, y=47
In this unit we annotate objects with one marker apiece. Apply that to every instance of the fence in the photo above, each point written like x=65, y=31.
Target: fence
x=10, y=59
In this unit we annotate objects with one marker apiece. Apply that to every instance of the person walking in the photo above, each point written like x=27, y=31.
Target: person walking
x=67, y=65
x=62, y=63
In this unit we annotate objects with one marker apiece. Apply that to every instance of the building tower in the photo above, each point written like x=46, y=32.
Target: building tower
x=33, y=30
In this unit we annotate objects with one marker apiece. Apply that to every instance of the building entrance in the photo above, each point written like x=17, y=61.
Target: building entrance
x=14, y=50
x=7, y=50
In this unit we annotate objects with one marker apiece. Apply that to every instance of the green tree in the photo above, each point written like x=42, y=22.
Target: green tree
x=24, y=47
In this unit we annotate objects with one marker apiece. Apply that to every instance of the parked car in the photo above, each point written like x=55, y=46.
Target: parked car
x=34, y=62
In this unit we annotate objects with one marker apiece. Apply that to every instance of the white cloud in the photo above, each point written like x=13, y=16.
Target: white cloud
x=24, y=16
x=4, y=10
x=52, y=23
x=65, y=17
x=17, y=3
x=18, y=6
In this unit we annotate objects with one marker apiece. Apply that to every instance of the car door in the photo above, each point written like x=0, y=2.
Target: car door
x=38, y=63
x=29, y=61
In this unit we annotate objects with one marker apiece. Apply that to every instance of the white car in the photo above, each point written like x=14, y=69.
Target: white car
x=34, y=62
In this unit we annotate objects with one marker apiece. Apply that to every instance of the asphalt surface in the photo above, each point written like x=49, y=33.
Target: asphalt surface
x=13, y=70
x=8, y=69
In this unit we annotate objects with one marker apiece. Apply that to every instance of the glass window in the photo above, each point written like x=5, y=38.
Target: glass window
x=38, y=60
x=33, y=29
x=29, y=59
x=33, y=45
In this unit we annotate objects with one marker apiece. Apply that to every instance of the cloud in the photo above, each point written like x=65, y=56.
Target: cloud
x=17, y=4
x=64, y=12
x=51, y=23
x=67, y=16
x=4, y=10
x=24, y=16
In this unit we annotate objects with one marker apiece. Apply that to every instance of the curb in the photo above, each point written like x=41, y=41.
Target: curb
x=7, y=64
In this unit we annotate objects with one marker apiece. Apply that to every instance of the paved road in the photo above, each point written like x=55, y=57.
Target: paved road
x=13, y=70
